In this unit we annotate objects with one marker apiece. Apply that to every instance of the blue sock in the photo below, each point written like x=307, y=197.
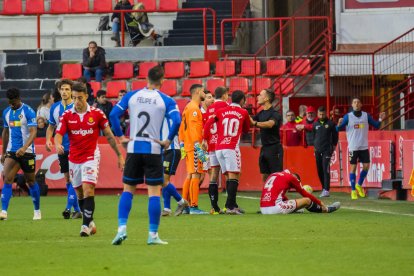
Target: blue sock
x=352, y=179
x=173, y=191
x=6, y=194
x=124, y=207
x=72, y=198
x=166, y=197
x=69, y=199
x=35, y=193
x=154, y=213
x=362, y=176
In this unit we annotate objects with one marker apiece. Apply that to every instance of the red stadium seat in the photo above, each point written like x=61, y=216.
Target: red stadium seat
x=174, y=70
x=239, y=84
x=259, y=84
x=79, y=5
x=95, y=85
x=102, y=5
x=12, y=7
x=138, y=84
x=212, y=84
x=59, y=6
x=225, y=68
x=300, y=67
x=123, y=70
x=149, y=4
x=275, y=67
x=181, y=103
x=186, y=85
x=35, y=6
x=113, y=87
x=144, y=67
x=283, y=85
x=248, y=66
x=168, y=4
x=199, y=69
x=71, y=71
x=169, y=87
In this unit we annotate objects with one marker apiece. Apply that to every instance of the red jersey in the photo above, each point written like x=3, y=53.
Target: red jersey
x=204, y=115
x=83, y=131
x=276, y=186
x=231, y=121
x=211, y=135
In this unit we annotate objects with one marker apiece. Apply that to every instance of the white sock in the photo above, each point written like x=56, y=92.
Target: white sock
x=122, y=228
x=153, y=234
x=181, y=202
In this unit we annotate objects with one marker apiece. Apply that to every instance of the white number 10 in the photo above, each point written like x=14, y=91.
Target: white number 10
x=231, y=127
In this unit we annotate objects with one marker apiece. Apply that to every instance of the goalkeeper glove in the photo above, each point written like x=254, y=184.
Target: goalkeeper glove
x=201, y=154
x=183, y=153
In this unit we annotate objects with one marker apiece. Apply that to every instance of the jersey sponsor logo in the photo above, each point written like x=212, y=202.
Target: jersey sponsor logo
x=82, y=132
x=358, y=126
x=226, y=141
x=15, y=123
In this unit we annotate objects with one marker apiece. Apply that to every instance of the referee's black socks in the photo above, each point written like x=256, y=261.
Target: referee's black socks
x=231, y=185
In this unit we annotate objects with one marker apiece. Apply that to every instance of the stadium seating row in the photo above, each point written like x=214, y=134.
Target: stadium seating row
x=198, y=69
x=68, y=6
x=170, y=87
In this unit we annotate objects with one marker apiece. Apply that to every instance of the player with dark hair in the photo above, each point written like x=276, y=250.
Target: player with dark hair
x=191, y=138
x=325, y=141
x=83, y=124
x=274, y=200
x=57, y=109
x=231, y=121
x=357, y=124
x=269, y=121
x=221, y=95
x=19, y=131
x=147, y=108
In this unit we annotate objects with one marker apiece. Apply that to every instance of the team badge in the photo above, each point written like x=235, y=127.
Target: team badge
x=21, y=116
x=195, y=114
x=91, y=121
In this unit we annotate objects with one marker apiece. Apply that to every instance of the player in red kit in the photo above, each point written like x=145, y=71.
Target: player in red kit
x=231, y=121
x=83, y=124
x=274, y=199
x=221, y=95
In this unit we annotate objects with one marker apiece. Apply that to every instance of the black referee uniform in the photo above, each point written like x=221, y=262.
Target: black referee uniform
x=271, y=153
x=326, y=139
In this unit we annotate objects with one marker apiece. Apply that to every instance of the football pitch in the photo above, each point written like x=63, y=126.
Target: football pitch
x=365, y=237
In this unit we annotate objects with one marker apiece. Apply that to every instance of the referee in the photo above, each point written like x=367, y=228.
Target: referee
x=325, y=141
x=269, y=122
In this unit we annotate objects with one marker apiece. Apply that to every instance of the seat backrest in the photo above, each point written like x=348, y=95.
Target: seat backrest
x=138, y=84
x=275, y=67
x=212, y=84
x=199, y=69
x=149, y=4
x=102, y=5
x=123, y=70
x=95, y=85
x=59, y=6
x=261, y=83
x=168, y=4
x=174, y=69
x=186, y=85
x=239, y=84
x=144, y=67
x=181, y=103
x=71, y=71
x=79, y=5
x=35, y=6
x=225, y=68
x=169, y=87
x=283, y=85
x=12, y=7
x=113, y=87
x=248, y=66
x=300, y=67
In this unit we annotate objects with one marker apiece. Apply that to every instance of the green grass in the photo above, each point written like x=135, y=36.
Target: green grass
x=352, y=242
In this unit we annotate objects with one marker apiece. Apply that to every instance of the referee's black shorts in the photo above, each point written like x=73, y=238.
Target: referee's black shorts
x=271, y=159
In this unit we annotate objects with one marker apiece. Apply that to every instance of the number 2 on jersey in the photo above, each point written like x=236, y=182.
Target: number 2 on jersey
x=146, y=123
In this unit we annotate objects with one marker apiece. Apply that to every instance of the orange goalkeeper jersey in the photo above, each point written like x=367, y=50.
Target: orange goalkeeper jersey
x=191, y=128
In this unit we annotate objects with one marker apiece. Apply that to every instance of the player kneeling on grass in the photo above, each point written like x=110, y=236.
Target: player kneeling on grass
x=275, y=201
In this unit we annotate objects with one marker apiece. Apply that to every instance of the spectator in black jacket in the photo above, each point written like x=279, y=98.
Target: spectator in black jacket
x=325, y=141
x=116, y=20
x=102, y=102
x=93, y=61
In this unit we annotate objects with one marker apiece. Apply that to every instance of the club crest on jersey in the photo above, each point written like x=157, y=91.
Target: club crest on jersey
x=91, y=121
x=20, y=116
x=195, y=114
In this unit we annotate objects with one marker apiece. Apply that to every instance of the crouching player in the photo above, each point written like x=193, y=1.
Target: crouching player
x=275, y=201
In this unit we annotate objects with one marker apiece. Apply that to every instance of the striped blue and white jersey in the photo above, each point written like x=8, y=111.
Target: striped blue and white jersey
x=166, y=129
x=147, y=110
x=18, y=122
x=56, y=111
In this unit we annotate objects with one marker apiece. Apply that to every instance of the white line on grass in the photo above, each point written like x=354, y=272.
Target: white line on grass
x=350, y=208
